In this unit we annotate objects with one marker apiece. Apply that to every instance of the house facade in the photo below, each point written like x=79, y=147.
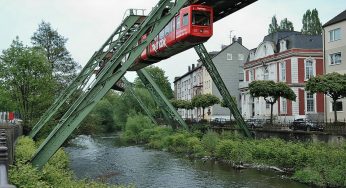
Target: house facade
x=229, y=62
x=334, y=43
x=289, y=57
x=187, y=86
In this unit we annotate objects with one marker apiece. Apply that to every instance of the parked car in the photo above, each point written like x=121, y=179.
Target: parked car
x=219, y=121
x=305, y=124
x=255, y=123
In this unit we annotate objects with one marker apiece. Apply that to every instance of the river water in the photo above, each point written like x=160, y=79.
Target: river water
x=105, y=159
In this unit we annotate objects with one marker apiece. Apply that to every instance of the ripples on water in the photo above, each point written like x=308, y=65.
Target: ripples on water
x=99, y=158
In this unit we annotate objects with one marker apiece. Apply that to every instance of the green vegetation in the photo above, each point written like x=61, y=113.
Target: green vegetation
x=204, y=100
x=311, y=23
x=332, y=84
x=54, y=174
x=271, y=92
x=160, y=79
x=26, y=81
x=285, y=25
x=311, y=163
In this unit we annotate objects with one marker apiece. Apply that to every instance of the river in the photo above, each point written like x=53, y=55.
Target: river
x=105, y=159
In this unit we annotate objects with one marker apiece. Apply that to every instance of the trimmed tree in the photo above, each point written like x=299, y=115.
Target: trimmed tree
x=271, y=92
x=331, y=84
x=205, y=100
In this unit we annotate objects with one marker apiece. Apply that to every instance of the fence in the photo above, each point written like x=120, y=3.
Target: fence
x=4, y=160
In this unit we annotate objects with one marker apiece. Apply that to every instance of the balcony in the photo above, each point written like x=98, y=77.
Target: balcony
x=243, y=85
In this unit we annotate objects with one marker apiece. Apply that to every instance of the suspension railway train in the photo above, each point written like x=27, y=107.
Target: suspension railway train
x=193, y=25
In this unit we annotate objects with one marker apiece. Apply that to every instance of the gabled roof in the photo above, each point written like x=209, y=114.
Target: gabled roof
x=336, y=19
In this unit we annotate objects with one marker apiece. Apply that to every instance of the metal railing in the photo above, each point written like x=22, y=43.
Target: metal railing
x=4, y=161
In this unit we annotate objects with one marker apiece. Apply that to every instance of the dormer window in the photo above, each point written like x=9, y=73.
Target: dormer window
x=283, y=46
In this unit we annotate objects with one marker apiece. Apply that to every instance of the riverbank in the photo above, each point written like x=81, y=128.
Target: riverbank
x=311, y=163
x=55, y=173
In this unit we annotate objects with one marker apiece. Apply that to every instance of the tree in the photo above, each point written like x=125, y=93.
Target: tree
x=178, y=103
x=26, y=75
x=160, y=79
x=311, y=23
x=63, y=67
x=204, y=100
x=331, y=84
x=273, y=27
x=271, y=92
x=286, y=25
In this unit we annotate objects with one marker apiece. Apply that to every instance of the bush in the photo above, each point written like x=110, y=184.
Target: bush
x=209, y=141
x=54, y=174
x=194, y=146
x=134, y=127
x=235, y=151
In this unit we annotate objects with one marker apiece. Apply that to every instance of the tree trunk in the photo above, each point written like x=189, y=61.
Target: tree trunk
x=335, y=112
x=271, y=113
x=203, y=112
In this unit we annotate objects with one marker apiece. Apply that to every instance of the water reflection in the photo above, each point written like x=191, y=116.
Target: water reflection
x=99, y=158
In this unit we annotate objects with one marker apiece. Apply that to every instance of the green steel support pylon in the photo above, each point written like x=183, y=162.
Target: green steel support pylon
x=161, y=99
x=128, y=26
x=128, y=87
x=113, y=71
x=214, y=74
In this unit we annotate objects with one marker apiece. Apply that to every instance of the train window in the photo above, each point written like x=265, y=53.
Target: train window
x=185, y=19
x=161, y=35
x=200, y=18
x=178, y=22
x=168, y=28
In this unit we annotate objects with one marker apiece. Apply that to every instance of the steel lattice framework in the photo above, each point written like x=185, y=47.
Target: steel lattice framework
x=123, y=44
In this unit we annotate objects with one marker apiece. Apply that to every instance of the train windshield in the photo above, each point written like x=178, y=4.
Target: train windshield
x=200, y=18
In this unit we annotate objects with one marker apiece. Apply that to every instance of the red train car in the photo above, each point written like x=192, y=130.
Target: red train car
x=193, y=25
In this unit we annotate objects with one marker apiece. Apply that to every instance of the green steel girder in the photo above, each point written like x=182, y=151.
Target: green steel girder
x=128, y=87
x=108, y=76
x=128, y=26
x=214, y=74
x=161, y=99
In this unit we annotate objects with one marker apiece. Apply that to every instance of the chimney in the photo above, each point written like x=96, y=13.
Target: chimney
x=234, y=39
x=189, y=69
x=223, y=46
x=240, y=40
x=193, y=66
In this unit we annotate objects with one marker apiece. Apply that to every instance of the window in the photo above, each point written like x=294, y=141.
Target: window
x=200, y=18
x=335, y=59
x=229, y=56
x=267, y=105
x=178, y=22
x=185, y=19
x=252, y=75
x=240, y=57
x=310, y=102
x=309, y=69
x=266, y=75
x=338, y=106
x=283, y=106
x=161, y=35
x=335, y=35
x=283, y=71
x=168, y=28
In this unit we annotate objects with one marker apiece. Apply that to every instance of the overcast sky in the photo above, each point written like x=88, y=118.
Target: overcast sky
x=88, y=23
